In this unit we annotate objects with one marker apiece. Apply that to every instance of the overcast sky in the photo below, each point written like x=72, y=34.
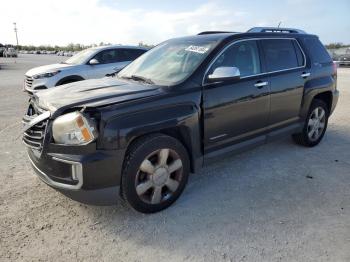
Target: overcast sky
x=61, y=22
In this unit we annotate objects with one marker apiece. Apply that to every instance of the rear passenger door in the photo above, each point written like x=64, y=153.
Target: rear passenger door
x=285, y=67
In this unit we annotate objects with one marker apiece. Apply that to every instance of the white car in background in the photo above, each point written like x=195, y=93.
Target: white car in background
x=90, y=63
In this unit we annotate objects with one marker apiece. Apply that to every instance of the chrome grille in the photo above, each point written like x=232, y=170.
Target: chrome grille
x=34, y=136
x=29, y=81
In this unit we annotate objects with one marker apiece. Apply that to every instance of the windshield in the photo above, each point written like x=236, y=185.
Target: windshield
x=169, y=63
x=80, y=57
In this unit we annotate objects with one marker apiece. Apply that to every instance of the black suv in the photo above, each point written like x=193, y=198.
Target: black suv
x=140, y=133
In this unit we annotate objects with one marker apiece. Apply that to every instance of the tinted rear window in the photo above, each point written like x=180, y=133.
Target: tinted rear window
x=280, y=54
x=316, y=50
x=130, y=54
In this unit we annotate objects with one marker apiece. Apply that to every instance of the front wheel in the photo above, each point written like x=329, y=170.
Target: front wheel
x=315, y=125
x=155, y=173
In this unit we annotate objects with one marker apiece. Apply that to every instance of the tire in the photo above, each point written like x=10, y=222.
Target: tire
x=320, y=127
x=155, y=173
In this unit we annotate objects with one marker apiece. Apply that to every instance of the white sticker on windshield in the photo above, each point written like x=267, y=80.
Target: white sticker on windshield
x=197, y=49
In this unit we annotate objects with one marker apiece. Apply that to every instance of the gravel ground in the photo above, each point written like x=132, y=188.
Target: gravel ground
x=278, y=202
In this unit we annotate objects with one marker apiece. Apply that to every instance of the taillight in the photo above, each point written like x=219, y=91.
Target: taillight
x=335, y=67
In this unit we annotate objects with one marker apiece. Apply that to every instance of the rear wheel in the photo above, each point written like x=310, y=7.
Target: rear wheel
x=155, y=173
x=315, y=125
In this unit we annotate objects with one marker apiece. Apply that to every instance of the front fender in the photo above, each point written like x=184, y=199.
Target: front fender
x=120, y=131
x=180, y=119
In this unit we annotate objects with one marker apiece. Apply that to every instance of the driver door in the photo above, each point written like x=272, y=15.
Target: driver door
x=237, y=110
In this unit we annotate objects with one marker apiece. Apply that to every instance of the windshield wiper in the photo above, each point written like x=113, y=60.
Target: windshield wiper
x=140, y=78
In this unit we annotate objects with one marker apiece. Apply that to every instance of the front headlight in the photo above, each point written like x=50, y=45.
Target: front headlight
x=46, y=75
x=74, y=129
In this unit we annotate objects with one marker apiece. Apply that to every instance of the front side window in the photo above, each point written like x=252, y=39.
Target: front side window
x=280, y=54
x=171, y=62
x=80, y=57
x=243, y=55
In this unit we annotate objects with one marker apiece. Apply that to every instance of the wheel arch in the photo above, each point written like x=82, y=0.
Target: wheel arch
x=182, y=134
x=71, y=78
x=310, y=95
x=186, y=135
x=326, y=97
x=179, y=121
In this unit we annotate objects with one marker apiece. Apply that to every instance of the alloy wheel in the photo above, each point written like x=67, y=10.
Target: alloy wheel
x=316, y=123
x=159, y=176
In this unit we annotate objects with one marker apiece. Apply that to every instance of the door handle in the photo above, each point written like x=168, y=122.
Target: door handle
x=261, y=84
x=305, y=75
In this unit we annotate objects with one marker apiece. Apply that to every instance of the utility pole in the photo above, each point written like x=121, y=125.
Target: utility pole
x=279, y=24
x=16, y=32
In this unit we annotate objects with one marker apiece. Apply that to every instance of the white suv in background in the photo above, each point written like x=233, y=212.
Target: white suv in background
x=10, y=52
x=90, y=63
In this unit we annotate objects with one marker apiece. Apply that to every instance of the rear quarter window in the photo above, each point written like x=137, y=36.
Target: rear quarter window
x=316, y=50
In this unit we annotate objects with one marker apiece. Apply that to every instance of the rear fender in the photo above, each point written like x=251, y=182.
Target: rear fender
x=314, y=87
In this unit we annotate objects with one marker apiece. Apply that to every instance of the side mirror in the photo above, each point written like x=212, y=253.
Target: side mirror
x=117, y=70
x=224, y=73
x=94, y=61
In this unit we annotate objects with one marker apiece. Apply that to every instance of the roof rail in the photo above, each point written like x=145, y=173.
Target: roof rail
x=213, y=32
x=275, y=30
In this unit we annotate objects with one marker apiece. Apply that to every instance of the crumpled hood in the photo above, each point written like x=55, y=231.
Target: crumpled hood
x=93, y=92
x=47, y=68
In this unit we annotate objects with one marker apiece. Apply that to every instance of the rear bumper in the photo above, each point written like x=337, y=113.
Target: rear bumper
x=335, y=100
x=89, y=176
